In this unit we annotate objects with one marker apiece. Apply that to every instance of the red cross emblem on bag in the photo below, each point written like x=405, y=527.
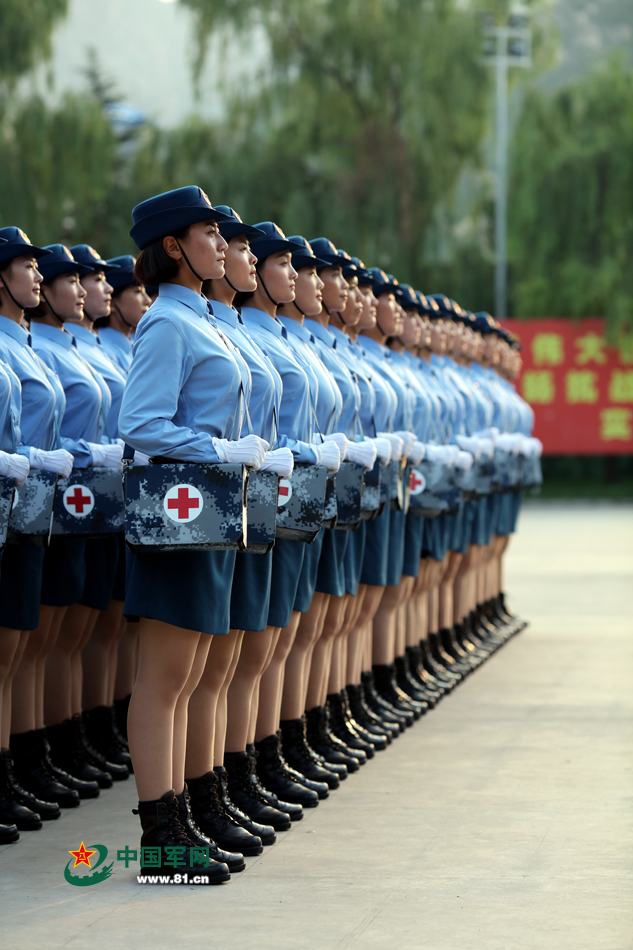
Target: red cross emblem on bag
x=183, y=503
x=417, y=482
x=285, y=491
x=78, y=501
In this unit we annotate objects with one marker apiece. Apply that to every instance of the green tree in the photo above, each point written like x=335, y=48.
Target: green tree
x=25, y=32
x=572, y=210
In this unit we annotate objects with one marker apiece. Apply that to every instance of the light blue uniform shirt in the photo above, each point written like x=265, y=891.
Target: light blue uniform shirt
x=401, y=408
x=10, y=409
x=87, y=401
x=93, y=351
x=328, y=349
x=118, y=347
x=386, y=399
x=361, y=373
x=185, y=386
x=295, y=417
x=264, y=404
x=422, y=413
x=43, y=401
x=326, y=396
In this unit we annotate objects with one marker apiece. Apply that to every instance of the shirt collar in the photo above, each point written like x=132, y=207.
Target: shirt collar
x=372, y=346
x=84, y=334
x=116, y=338
x=55, y=335
x=225, y=314
x=251, y=315
x=293, y=328
x=320, y=332
x=340, y=337
x=186, y=296
x=14, y=330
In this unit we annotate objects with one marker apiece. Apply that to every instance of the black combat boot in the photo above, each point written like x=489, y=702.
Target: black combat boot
x=214, y=822
x=12, y=812
x=244, y=792
x=380, y=706
x=386, y=687
x=84, y=789
x=102, y=735
x=324, y=743
x=234, y=860
x=265, y=832
x=407, y=684
x=118, y=773
x=299, y=756
x=378, y=740
x=275, y=775
x=427, y=683
x=163, y=829
x=365, y=718
x=67, y=753
x=47, y=811
x=34, y=774
x=342, y=728
x=290, y=810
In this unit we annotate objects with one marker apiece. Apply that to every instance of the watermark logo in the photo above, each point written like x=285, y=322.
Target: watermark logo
x=83, y=856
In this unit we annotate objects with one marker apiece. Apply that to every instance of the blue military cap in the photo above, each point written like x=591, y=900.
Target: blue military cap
x=349, y=267
x=15, y=243
x=86, y=255
x=408, y=298
x=274, y=241
x=324, y=249
x=484, y=323
x=304, y=256
x=59, y=261
x=122, y=273
x=380, y=282
x=170, y=211
x=233, y=226
x=364, y=277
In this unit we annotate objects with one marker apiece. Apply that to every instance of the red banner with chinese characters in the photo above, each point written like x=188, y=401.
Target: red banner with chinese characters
x=580, y=387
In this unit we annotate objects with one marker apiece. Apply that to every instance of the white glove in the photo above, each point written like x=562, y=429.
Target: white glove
x=469, y=444
x=536, y=448
x=464, y=461
x=279, y=461
x=339, y=439
x=396, y=444
x=249, y=451
x=363, y=453
x=509, y=443
x=408, y=439
x=383, y=448
x=492, y=433
x=328, y=454
x=109, y=455
x=59, y=461
x=440, y=453
x=14, y=466
x=417, y=452
x=140, y=458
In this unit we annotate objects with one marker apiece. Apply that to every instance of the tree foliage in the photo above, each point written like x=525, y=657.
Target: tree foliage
x=572, y=207
x=25, y=31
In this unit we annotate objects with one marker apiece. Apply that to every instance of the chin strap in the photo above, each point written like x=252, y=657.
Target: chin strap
x=232, y=286
x=260, y=279
x=122, y=318
x=56, y=315
x=8, y=290
x=188, y=263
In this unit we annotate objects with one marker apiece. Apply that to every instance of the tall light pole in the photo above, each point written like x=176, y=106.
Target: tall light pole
x=504, y=46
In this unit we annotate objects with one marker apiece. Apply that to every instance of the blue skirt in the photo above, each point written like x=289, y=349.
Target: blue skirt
x=503, y=526
x=413, y=529
x=353, y=560
x=250, y=594
x=517, y=500
x=21, y=585
x=435, y=537
x=190, y=589
x=118, y=589
x=376, y=556
x=102, y=555
x=308, y=576
x=396, y=547
x=331, y=572
x=64, y=571
x=287, y=563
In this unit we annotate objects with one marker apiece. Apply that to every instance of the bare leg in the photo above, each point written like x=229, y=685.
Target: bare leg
x=252, y=726
x=271, y=685
x=127, y=661
x=308, y=631
x=256, y=652
x=221, y=710
x=12, y=644
x=203, y=705
x=446, y=605
x=167, y=658
x=99, y=655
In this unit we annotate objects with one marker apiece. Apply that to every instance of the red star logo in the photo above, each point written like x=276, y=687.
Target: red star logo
x=82, y=856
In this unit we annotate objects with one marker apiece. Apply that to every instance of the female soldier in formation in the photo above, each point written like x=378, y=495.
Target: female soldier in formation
x=261, y=680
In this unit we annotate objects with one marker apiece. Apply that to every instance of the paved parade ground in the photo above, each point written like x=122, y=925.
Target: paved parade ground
x=501, y=821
